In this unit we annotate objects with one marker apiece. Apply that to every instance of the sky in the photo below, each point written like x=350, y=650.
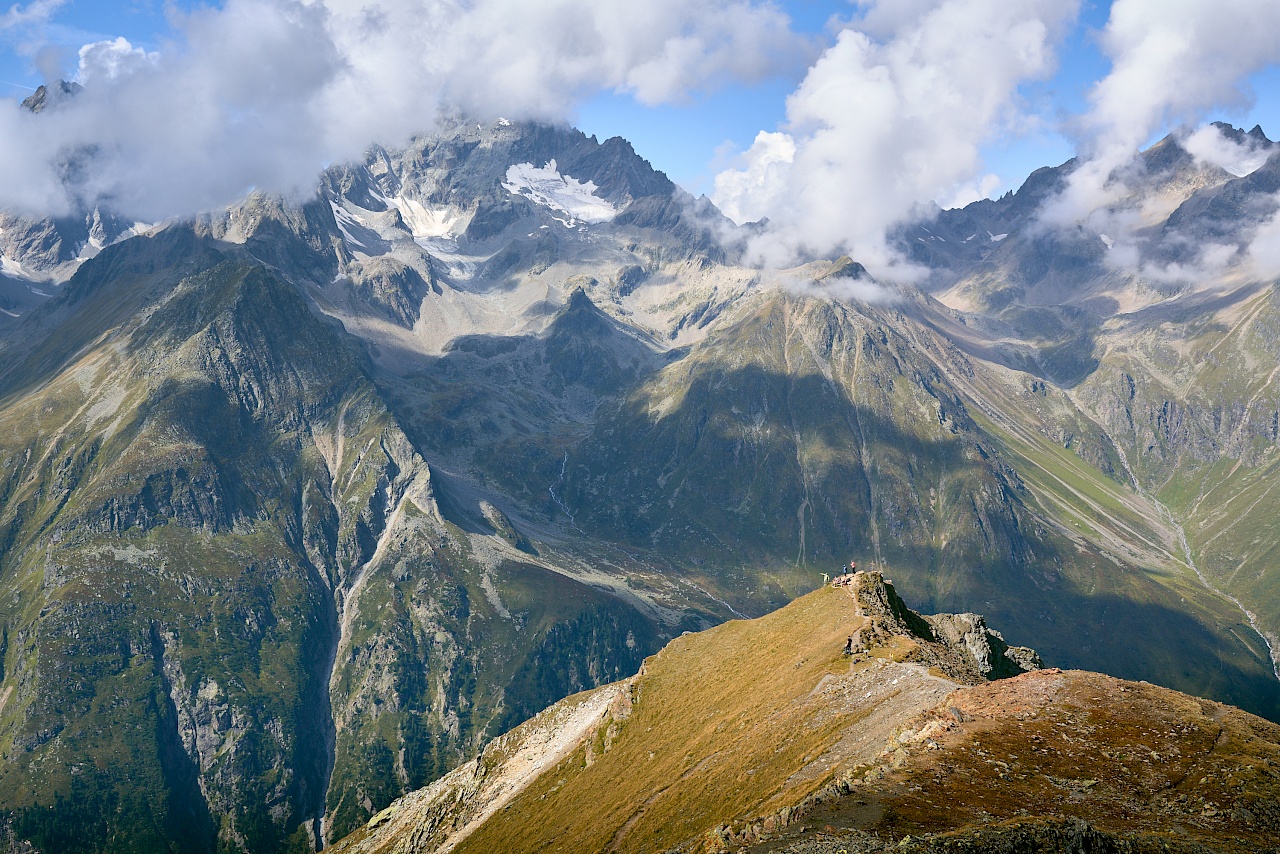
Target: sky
x=833, y=118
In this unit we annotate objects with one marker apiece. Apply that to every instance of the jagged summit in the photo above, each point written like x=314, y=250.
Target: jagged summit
x=762, y=733
x=1238, y=135
x=47, y=95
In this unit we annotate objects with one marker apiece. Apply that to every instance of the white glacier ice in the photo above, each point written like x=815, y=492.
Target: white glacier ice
x=547, y=187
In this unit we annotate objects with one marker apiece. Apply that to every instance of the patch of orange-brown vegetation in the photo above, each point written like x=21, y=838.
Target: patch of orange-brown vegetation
x=1129, y=758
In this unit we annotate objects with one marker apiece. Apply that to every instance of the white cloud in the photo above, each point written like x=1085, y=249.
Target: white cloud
x=893, y=115
x=748, y=193
x=263, y=93
x=972, y=191
x=32, y=14
x=1211, y=261
x=1172, y=60
x=847, y=289
x=1264, y=251
x=106, y=60
x=1208, y=145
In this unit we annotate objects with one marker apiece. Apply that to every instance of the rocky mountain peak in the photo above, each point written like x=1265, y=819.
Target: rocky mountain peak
x=1255, y=138
x=50, y=94
x=959, y=644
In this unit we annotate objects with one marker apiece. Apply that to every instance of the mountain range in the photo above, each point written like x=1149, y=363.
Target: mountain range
x=303, y=503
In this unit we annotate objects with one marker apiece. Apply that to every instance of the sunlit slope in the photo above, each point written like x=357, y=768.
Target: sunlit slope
x=760, y=735
x=746, y=717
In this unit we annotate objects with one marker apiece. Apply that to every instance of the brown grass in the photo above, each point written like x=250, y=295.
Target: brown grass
x=721, y=723
x=1126, y=757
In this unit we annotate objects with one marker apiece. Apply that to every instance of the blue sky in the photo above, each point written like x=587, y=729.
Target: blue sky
x=691, y=141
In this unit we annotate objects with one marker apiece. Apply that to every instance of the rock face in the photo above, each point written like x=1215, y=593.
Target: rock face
x=44, y=96
x=982, y=651
x=762, y=735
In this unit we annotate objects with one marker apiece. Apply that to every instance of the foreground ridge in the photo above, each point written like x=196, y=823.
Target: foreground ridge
x=762, y=735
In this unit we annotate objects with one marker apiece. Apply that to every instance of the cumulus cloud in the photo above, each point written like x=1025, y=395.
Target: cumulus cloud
x=1172, y=60
x=749, y=192
x=104, y=61
x=263, y=93
x=891, y=116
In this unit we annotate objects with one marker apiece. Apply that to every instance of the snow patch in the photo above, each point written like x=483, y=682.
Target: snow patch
x=996, y=238
x=424, y=221
x=345, y=219
x=12, y=268
x=1107, y=240
x=547, y=187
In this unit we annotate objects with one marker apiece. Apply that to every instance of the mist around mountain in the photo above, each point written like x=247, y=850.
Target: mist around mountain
x=302, y=504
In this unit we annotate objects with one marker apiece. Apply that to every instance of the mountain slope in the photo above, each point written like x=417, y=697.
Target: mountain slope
x=828, y=430
x=1170, y=354
x=208, y=525
x=759, y=733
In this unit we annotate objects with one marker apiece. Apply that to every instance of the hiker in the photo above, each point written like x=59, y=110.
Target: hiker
x=853, y=566
x=848, y=647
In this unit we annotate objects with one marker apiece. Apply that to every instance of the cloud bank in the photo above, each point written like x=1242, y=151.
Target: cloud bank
x=893, y=115
x=264, y=93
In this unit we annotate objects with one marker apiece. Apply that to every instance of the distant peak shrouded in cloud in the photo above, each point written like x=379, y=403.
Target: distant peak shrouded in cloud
x=891, y=117
x=1172, y=61
x=1228, y=148
x=263, y=93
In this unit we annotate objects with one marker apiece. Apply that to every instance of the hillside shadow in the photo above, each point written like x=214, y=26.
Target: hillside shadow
x=1138, y=640
x=686, y=484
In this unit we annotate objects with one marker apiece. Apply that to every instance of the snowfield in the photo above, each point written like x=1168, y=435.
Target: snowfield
x=547, y=187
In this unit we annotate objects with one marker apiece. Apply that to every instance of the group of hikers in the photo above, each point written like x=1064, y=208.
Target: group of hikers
x=845, y=578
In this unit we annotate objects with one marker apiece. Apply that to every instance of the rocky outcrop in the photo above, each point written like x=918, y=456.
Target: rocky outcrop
x=959, y=644
x=984, y=649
